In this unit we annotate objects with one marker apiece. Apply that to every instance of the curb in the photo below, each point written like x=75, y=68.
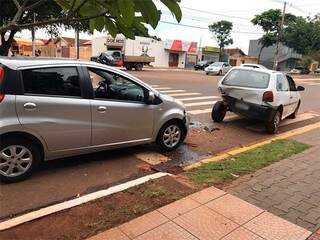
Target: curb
x=77, y=201
x=236, y=151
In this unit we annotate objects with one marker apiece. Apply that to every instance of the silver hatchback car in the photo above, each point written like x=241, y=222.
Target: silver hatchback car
x=54, y=108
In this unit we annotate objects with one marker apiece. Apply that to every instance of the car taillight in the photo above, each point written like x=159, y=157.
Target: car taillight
x=1, y=82
x=267, y=96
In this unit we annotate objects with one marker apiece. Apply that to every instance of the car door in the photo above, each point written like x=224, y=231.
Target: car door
x=53, y=107
x=283, y=94
x=119, y=112
x=294, y=94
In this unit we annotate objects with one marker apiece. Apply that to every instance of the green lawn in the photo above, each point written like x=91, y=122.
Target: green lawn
x=230, y=168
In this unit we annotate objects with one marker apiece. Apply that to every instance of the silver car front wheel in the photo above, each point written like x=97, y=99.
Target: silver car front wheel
x=171, y=136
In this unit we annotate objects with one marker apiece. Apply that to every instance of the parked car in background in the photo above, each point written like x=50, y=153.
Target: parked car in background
x=317, y=71
x=105, y=58
x=260, y=94
x=252, y=65
x=300, y=70
x=53, y=108
x=218, y=68
x=201, y=65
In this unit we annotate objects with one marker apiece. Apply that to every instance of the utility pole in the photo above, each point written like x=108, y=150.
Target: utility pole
x=33, y=37
x=77, y=43
x=276, y=55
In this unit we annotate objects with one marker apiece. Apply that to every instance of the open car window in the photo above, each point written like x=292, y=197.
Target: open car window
x=247, y=78
x=113, y=86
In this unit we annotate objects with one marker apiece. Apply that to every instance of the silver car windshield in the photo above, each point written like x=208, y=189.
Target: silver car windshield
x=216, y=64
x=247, y=78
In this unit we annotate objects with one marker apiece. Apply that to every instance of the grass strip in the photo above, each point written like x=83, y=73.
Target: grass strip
x=250, y=161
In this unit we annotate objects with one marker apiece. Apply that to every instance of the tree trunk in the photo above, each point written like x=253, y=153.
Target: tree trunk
x=6, y=44
x=259, y=56
x=220, y=54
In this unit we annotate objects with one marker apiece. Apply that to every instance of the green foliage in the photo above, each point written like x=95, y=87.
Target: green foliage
x=303, y=35
x=270, y=21
x=120, y=16
x=218, y=172
x=222, y=32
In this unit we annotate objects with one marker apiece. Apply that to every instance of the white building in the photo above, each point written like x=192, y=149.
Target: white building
x=171, y=53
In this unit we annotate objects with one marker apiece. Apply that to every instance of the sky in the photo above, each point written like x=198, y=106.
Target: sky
x=201, y=13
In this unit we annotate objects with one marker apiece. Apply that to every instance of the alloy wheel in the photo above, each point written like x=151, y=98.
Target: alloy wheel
x=15, y=160
x=171, y=136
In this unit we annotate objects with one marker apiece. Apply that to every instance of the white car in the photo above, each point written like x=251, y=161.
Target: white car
x=218, y=68
x=260, y=94
x=252, y=65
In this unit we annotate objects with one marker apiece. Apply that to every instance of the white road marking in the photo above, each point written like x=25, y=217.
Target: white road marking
x=183, y=94
x=200, y=111
x=198, y=98
x=162, y=88
x=173, y=91
x=199, y=103
x=154, y=86
x=77, y=201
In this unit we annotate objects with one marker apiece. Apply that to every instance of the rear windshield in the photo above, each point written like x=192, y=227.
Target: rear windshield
x=247, y=78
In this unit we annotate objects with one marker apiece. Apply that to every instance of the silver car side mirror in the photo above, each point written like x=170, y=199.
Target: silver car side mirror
x=151, y=97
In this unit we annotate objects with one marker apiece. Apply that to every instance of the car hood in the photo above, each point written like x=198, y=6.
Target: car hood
x=168, y=98
x=213, y=68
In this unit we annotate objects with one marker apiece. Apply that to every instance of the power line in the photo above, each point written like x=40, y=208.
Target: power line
x=217, y=14
x=206, y=28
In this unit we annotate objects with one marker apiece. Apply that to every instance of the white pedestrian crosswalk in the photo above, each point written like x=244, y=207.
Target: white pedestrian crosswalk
x=196, y=103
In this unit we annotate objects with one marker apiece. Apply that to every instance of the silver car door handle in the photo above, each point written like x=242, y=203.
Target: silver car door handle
x=102, y=109
x=29, y=106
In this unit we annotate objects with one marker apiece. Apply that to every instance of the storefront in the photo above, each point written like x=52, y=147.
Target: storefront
x=182, y=54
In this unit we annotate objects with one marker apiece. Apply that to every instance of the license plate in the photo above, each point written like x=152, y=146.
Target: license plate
x=242, y=106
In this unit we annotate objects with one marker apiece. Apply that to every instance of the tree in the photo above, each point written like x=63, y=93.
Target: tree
x=115, y=16
x=270, y=22
x=267, y=40
x=222, y=32
x=303, y=35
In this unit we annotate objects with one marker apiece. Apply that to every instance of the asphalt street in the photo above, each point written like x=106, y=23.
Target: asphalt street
x=63, y=179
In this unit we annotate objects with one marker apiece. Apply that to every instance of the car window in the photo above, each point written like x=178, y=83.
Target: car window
x=282, y=83
x=56, y=81
x=112, y=86
x=292, y=84
x=247, y=78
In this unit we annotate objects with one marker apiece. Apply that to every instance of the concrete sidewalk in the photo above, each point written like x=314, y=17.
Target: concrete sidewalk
x=209, y=214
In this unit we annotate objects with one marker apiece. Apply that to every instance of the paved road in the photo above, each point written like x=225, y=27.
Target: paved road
x=62, y=179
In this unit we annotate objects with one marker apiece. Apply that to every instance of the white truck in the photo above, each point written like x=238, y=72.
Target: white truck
x=131, y=54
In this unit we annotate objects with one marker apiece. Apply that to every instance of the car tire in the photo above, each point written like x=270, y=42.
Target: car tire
x=219, y=111
x=295, y=113
x=138, y=67
x=207, y=73
x=220, y=73
x=17, y=163
x=168, y=132
x=272, y=127
x=128, y=67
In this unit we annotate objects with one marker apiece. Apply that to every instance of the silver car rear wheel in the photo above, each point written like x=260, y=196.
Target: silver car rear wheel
x=15, y=160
